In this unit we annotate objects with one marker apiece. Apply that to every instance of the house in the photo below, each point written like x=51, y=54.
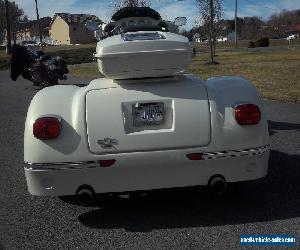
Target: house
x=293, y=31
x=67, y=29
x=199, y=39
x=231, y=36
x=222, y=39
x=29, y=31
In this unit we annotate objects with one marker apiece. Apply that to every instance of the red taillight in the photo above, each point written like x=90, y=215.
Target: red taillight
x=46, y=128
x=247, y=114
x=106, y=163
x=194, y=156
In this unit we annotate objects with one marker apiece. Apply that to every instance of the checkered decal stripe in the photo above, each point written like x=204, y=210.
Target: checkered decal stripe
x=236, y=153
x=95, y=164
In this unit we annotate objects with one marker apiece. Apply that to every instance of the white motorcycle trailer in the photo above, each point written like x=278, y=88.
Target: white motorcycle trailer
x=147, y=125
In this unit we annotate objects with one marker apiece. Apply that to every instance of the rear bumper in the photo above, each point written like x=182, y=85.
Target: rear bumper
x=146, y=171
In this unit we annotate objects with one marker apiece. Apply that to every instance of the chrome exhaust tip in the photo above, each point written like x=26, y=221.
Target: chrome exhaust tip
x=217, y=184
x=85, y=195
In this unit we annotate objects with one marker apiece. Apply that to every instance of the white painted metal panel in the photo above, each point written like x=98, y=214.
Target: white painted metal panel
x=186, y=109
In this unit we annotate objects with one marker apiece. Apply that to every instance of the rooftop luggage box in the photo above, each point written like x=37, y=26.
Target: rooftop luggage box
x=143, y=54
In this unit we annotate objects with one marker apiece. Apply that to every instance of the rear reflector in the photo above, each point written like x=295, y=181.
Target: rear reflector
x=46, y=128
x=247, y=114
x=194, y=156
x=106, y=163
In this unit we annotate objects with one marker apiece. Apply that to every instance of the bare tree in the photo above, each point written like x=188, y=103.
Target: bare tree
x=211, y=13
x=279, y=23
x=16, y=17
x=217, y=22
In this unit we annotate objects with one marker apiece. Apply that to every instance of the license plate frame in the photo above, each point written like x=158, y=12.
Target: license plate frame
x=148, y=114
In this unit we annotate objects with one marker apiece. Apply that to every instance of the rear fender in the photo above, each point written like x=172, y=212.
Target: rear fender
x=224, y=94
x=65, y=102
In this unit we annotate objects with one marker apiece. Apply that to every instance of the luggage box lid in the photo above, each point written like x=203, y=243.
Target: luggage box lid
x=141, y=42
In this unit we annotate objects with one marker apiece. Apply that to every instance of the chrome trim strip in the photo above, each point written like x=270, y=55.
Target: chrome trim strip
x=76, y=163
x=95, y=164
x=236, y=153
x=62, y=165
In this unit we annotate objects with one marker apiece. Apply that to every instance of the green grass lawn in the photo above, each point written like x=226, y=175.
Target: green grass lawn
x=244, y=43
x=275, y=72
x=74, y=54
x=70, y=47
x=88, y=70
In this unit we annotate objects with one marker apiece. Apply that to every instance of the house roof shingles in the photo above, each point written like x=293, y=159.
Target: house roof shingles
x=77, y=18
x=44, y=21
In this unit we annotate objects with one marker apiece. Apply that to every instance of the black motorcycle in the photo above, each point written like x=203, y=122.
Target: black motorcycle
x=34, y=65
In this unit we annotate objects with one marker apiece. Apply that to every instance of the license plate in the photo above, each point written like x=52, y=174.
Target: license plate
x=148, y=114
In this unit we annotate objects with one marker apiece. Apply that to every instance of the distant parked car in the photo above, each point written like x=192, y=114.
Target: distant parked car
x=291, y=37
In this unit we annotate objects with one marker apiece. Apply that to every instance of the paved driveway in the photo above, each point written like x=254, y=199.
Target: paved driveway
x=186, y=218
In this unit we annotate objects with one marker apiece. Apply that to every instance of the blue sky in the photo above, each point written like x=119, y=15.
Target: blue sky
x=169, y=9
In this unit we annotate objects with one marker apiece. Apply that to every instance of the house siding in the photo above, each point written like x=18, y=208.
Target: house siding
x=80, y=34
x=59, y=32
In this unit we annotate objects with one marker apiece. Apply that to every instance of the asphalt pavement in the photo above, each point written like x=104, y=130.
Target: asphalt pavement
x=181, y=218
